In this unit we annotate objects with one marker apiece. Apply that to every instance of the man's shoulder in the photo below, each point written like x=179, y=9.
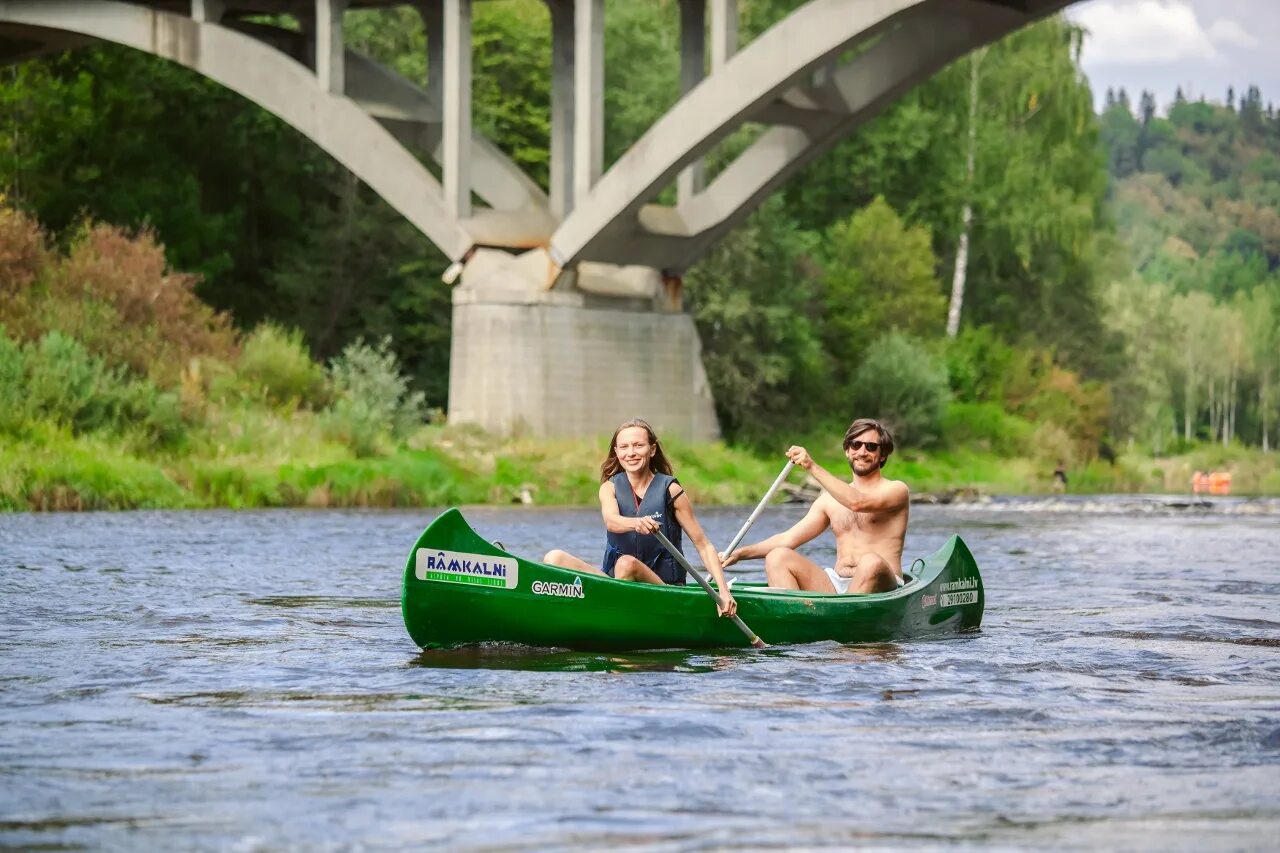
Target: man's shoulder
x=894, y=490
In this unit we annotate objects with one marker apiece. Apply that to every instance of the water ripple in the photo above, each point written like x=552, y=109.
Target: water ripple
x=242, y=680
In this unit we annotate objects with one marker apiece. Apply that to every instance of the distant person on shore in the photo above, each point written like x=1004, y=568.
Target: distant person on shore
x=1060, y=477
x=867, y=515
x=638, y=496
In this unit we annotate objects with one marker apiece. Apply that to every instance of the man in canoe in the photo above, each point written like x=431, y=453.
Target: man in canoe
x=638, y=496
x=867, y=515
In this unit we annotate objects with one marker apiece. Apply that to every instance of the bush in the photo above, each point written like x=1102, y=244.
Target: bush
x=275, y=361
x=13, y=378
x=115, y=293
x=58, y=381
x=61, y=382
x=985, y=427
x=900, y=383
x=373, y=401
x=977, y=363
x=22, y=253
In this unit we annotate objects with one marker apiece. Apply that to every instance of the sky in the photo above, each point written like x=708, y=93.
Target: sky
x=1204, y=46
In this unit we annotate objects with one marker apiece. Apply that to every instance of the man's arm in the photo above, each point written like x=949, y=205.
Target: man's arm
x=814, y=522
x=890, y=496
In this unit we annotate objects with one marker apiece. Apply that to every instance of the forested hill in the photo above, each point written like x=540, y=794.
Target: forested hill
x=1195, y=195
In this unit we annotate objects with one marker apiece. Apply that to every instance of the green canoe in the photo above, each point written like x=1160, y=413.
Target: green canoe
x=460, y=589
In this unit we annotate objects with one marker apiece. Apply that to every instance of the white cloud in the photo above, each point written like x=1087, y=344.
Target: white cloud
x=1150, y=32
x=1230, y=34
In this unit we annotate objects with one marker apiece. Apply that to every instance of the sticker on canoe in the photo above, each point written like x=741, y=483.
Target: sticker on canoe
x=955, y=599
x=928, y=600
x=559, y=590
x=477, y=569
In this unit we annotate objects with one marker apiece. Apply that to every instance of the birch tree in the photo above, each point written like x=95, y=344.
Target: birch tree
x=966, y=212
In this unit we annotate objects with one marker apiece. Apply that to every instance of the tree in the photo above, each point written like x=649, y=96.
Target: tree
x=966, y=214
x=878, y=276
x=757, y=311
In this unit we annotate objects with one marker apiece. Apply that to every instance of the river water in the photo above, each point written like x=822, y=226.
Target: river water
x=242, y=681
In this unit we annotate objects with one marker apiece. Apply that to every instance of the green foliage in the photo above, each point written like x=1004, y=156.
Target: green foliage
x=55, y=380
x=276, y=364
x=62, y=381
x=901, y=383
x=878, y=277
x=757, y=317
x=985, y=427
x=13, y=376
x=977, y=363
x=374, y=404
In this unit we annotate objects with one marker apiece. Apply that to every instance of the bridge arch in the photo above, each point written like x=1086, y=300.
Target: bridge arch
x=898, y=44
x=252, y=64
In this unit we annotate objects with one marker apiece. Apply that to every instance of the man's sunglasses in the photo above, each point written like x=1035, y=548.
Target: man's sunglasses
x=872, y=446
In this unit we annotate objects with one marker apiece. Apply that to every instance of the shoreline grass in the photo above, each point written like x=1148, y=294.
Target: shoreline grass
x=439, y=466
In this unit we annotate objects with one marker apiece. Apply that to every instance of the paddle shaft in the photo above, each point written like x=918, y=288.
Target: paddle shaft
x=679, y=558
x=737, y=540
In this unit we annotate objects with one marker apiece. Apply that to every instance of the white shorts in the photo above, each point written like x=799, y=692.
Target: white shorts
x=841, y=583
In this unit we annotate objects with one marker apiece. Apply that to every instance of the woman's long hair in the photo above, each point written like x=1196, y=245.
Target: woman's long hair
x=657, y=462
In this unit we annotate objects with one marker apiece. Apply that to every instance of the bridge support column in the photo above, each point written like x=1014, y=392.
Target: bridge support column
x=526, y=359
x=693, y=67
x=562, y=104
x=457, y=107
x=207, y=11
x=588, y=96
x=330, y=46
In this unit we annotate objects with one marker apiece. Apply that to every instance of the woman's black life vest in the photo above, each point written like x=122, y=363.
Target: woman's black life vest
x=645, y=547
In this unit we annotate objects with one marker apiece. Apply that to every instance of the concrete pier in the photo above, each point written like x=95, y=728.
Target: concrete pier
x=574, y=360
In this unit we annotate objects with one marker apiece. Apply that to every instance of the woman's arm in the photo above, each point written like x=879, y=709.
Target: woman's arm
x=727, y=606
x=616, y=522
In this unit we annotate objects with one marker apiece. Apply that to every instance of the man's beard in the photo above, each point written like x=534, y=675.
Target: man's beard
x=862, y=469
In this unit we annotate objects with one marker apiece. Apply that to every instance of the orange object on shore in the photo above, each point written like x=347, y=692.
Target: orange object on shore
x=1220, y=483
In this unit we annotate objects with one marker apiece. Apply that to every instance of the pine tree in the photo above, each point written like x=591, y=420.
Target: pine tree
x=1147, y=107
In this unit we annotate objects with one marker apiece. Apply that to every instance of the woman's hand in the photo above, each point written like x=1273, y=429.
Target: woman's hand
x=727, y=605
x=800, y=457
x=645, y=524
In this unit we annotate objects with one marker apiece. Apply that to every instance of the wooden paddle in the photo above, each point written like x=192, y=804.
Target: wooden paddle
x=679, y=558
x=737, y=540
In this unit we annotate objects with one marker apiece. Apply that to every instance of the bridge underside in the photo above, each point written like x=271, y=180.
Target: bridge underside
x=593, y=241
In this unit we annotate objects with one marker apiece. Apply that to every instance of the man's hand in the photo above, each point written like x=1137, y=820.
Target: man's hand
x=727, y=605
x=727, y=560
x=645, y=524
x=800, y=457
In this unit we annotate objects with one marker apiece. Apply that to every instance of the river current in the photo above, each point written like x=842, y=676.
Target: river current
x=243, y=681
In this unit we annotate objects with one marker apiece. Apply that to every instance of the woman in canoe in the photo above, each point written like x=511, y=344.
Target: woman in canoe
x=638, y=496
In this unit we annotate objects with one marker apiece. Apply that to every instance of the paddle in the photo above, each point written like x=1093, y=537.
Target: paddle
x=786, y=469
x=679, y=558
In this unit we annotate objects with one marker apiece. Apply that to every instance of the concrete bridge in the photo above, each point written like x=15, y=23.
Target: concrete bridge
x=559, y=291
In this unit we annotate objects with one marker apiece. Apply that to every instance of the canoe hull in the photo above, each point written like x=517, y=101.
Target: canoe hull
x=460, y=589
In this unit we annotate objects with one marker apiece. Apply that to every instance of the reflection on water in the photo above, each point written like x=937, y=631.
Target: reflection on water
x=531, y=659
x=243, y=680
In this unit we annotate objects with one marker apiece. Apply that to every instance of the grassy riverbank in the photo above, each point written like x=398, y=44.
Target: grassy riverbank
x=55, y=470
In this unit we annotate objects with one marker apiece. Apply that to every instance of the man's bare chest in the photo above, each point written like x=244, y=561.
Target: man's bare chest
x=846, y=521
